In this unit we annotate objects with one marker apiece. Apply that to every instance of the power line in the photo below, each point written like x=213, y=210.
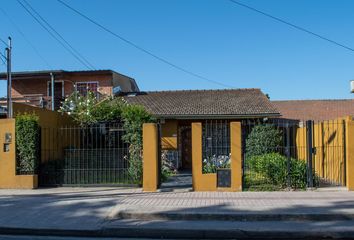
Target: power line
x=55, y=37
x=292, y=25
x=59, y=35
x=25, y=38
x=2, y=58
x=3, y=42
x=141, y=48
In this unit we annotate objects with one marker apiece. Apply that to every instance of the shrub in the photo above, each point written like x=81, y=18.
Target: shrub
x=273, y=167
x=27, y=143
x=263, y=139
x=167, y=166
x=134, y=116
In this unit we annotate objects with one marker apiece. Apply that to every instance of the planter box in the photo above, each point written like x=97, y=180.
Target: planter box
x=223, y=178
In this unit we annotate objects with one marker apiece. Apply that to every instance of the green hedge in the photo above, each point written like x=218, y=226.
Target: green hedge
x=27, y=143
x=263, y=139
x=273, y=168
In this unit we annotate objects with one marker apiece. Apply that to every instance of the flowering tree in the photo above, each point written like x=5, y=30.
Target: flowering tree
x=80, y=107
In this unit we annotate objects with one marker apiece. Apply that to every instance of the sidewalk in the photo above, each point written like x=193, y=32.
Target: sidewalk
x=132, y=213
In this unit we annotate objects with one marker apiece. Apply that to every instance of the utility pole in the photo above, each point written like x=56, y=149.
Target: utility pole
x=9, y=78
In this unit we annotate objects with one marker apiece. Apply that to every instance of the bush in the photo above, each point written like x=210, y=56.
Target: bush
x=273, y=167
x=134, y=116
x=27, y=143
x=263, y=139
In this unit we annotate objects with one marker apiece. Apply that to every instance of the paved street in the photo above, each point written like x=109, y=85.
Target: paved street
x=94, y=209
x=17, y=237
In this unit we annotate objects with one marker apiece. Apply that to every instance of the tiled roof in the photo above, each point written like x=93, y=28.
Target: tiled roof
x=317, y=110
x=206, y=103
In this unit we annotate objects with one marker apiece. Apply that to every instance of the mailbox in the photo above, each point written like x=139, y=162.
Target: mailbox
x=8, y=137
x=7, y=142
x=223, y=177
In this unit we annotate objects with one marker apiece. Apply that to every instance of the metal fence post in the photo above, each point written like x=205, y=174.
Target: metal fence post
x=288, y=155
x=309, y=128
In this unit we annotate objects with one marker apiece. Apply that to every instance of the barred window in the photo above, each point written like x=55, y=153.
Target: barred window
x=84, y=87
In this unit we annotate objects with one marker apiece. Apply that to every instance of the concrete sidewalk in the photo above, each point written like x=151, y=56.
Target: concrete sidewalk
x=132, y=213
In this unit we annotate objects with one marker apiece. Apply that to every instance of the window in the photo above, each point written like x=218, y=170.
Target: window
x=84, y=87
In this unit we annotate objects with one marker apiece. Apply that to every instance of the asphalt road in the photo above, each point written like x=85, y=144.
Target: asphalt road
x=16, y=237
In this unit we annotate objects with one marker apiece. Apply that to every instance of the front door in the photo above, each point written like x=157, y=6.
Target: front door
x=186, y=142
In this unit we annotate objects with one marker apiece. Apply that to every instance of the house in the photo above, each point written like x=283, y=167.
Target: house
x=176, y=110
x=317, y=110
x=34, y=87
x=2, y=112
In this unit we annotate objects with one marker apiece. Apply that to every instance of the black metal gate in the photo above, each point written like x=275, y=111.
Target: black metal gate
x=271, y=159
x=90, y=155
x=283, y=154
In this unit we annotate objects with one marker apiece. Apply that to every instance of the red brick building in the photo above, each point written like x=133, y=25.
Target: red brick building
x=34, y=87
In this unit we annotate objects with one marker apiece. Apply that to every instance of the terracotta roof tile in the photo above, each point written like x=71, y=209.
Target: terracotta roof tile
x=202, y=103
x=317, y=110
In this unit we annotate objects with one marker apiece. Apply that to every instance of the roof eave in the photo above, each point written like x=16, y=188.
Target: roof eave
x=216, y=116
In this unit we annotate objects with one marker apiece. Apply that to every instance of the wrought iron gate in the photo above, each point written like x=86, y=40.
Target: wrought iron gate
x=307, y=154
x=91, y=155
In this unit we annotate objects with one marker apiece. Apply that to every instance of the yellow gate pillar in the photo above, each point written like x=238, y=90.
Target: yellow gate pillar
x=150, y=157
x=349, y=153
x=236, y=156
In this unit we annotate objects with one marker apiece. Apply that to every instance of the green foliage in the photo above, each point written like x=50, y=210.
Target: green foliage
x=109, y=109
x=211, y=164
x=263, y=139
x=134, y=116
x=27, y=143
x=87, y=110
x=271, y=168
x=80, y=107
x=167, y=168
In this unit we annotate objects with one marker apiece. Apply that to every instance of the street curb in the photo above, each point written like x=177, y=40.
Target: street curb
x=231, y=216
x=139, y=232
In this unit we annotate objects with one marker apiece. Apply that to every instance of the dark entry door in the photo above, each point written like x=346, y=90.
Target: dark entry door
x=186, y=141
x=58, y=93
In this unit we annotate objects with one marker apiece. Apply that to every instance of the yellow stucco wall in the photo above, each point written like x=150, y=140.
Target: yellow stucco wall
x=208, y=182
x=169, y=135
x=150, y=157
x=52, y=142
x=350, y=153
x=47, y=118
x=8, y=177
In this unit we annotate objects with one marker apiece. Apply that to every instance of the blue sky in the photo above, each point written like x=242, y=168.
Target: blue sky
x=213, y=38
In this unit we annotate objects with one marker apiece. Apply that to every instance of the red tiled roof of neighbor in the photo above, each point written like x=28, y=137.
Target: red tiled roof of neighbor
x=234, y=103
x=317, y=110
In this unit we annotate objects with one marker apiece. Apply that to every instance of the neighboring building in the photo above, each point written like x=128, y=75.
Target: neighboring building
x=317, y=110
x=34, y=87
x=2, y=112
x=176, y=110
